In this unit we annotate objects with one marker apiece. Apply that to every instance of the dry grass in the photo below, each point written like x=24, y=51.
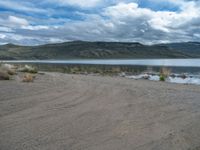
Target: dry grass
x=165, y=72
x=6, y=70
x=116, y=70
x=28, y=69
x=28, y=78
x=10, y=69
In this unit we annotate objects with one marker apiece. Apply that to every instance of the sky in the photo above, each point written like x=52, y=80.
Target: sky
x=35, y=22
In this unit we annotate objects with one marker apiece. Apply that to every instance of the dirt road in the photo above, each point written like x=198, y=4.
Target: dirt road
x=76, y=112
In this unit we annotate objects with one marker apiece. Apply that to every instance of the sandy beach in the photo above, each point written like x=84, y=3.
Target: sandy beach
x=78, y=112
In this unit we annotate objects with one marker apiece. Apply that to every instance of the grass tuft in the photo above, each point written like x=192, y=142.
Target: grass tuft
x=164, y=73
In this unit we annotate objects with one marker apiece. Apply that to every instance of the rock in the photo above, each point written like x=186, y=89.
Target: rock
x=173, y=75
x=183, y=76
x=146, y=76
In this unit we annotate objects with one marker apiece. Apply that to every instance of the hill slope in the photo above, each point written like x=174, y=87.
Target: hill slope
x=99, y=50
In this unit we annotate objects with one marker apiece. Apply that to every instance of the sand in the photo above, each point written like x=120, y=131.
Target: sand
x=79, y=112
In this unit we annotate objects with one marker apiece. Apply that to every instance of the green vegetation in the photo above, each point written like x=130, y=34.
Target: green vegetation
x=99, y=50
x=162, y=78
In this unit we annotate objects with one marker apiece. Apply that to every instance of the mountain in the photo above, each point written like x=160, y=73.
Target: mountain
x=99, y=50
x=188, y=47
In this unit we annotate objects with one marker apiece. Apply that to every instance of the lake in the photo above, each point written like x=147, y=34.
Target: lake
x=139, y=62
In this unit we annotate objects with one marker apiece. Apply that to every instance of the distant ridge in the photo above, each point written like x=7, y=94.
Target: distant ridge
x=99, y=50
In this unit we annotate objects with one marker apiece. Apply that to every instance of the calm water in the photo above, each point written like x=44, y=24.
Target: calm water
x=143, y=62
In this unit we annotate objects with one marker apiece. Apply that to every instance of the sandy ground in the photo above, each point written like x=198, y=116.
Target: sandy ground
x=77, y=112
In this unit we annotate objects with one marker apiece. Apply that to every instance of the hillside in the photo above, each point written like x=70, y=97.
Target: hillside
x=97, y=50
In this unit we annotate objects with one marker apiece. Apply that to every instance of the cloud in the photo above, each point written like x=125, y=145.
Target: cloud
x=115, y=20
x=2, y=36
x=5, y=29
x=160, y=20
x=80, y=3
x=18, y=21
x=34, y=28
x=11, y=23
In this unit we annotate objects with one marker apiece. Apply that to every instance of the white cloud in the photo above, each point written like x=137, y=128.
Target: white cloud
x=159, y=20
x=80, y=3
x=123, y=10
x=39, y=27
x=2, y=36
x=5, y=29
x=18, y=21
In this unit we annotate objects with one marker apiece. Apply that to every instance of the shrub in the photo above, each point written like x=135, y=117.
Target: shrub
x=28, y=78
x=4, y=75
x=10, y=69
x=162, y=78
x=8, y=66
x=28, y=69
x=75, y=70
x=165, y=72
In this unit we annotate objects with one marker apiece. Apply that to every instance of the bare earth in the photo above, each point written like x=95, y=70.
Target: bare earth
x=77, y=112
